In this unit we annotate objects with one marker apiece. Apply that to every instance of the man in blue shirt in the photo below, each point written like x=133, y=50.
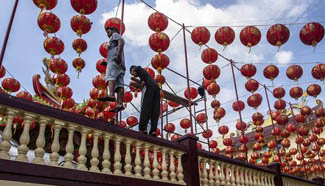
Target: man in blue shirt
x=115, y=69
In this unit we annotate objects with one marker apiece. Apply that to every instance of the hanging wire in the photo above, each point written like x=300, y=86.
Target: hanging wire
x=15, y=78
x=259, y=25
x=302, y=63
x=118, y=7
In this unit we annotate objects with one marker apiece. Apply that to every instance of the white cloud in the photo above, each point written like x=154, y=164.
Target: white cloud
x=283, y=57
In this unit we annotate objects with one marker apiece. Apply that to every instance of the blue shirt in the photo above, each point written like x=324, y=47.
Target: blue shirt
x=112, y=48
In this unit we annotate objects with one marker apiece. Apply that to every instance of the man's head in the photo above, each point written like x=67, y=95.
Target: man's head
x=132, y=71
x=110, y=30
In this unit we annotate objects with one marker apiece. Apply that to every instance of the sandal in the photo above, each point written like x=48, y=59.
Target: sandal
x=106, y=99
x=144, y=132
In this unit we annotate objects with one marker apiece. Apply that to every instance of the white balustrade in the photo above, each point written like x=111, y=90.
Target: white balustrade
x=40, y=142
x=82, y=159
x=94, y=153
x=6, y=135
x=117, y=156
x=128, y=159
x=55, y=147
x=146, y=162
x=106, y=155
x=24, y=139
x=68, y=157
x=172, y=173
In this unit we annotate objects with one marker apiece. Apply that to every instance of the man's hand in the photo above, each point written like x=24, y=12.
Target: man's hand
x=135, y=79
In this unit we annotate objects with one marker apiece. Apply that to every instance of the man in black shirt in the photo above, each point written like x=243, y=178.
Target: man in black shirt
x=150, y=108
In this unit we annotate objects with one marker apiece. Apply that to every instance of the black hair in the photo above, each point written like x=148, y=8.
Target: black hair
x=132, y=67
x=113, y=28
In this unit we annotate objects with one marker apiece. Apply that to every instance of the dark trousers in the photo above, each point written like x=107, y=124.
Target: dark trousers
x=150, y=109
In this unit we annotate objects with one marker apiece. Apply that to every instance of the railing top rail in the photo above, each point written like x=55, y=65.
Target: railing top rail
x=43, y=110
x=225, y=159
x=299, y=179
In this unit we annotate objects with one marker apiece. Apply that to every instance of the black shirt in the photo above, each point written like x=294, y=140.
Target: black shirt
x=145, y=77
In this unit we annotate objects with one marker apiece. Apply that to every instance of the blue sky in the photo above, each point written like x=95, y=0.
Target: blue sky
x=25, y=48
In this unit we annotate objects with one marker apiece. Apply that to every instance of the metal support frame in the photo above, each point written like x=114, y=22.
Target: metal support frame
x=5, y=42
x=273, y=125
x=187, y=78
x=239, y=111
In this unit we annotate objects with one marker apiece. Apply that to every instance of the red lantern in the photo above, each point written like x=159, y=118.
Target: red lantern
x=160, y=62
x=160, y=79
x=193, y=92
x=58, y=66
x=312, y=33
x=200, y=35
x=115, y=22
x=280, y=104
x=300, y=118
x=103, y=49
x=271, y=72
x=224, y=36
x=132, y=120
x=201, y=118
x=272, y=145
x=49, y=22
x=305, y=110
x=314, y=90
x=93, y=93
x=99, y=82
x=174, y=137
x=53, y=45
x=68, y=103
x=159, y=42
x=79, y=45
x=108, y=114
x=11, y=85
x=215, y=104
x=134, y=90
x=254, y=100
x=173, y=104
x=238, y=106
x=61, y=79
x=45, y=4
x=223, y=130
x=228, y=142
x=127, y=97
x=278, y=35
x=303, y=131
x=248, y=70
x=250, y=36
x=2, y=71
x=80, y=24
x=213, y=144
x=24, y=95
x=296, y=92
x=207, y=133
x=185, y=123
x=209, y=55
x=251, y=85
x=282, y=119
x=150, y=71
x=206, y=83
x=219, y=113
x=101, y=68
x=318, y=71
x=276, y=131
x=78, y=63
x=279, y=92
x=213, y=89
x=169, y=127
x=157, y=22
x=240, y=125
x=64, y=92
x=294, y=72
x=211, y=72
x=90, y=112
x=84, y=6
x=257, y=119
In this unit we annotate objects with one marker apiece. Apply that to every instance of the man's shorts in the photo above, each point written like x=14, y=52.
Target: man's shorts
x=114, y=72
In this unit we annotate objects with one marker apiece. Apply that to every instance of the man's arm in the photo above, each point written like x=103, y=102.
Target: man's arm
x=120, y=46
